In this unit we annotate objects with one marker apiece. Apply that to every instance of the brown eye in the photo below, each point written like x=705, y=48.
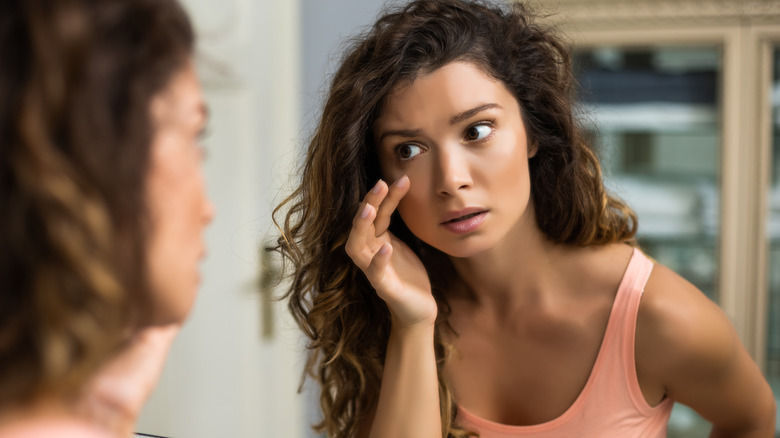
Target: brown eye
x=477, y=132
x=408, y=151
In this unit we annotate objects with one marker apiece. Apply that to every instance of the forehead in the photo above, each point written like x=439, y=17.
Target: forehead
x=450, y=89
x=180, y=96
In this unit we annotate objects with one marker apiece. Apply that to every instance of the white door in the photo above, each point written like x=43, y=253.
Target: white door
x=224, y=378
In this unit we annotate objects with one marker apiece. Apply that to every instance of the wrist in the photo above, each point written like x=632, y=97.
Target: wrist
x=416, y=329
x=421, y=319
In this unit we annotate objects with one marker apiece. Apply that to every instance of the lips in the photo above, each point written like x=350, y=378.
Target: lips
x=466, y=213
x=464, y=221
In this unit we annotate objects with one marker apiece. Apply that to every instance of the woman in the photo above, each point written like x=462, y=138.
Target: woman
x=459, y=267
x=103, y=208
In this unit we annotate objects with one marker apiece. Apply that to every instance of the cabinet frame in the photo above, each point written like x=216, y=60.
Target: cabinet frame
x=746, y=33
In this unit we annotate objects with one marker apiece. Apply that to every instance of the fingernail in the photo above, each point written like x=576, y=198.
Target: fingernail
x=376, y=187
x=366, y=211
x=402, y=181
x=384, y=249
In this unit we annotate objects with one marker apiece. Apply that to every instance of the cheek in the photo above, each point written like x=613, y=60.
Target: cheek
x=513, y=172
x=415, y=207
x=388, y=165
x=508, y=167
x=176, y=190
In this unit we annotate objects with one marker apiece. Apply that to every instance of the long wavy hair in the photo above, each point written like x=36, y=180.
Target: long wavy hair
x=76, y=80
x=346, y=323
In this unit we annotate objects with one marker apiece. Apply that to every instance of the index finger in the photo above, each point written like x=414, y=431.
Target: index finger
x=397, y=191
x=375, y=195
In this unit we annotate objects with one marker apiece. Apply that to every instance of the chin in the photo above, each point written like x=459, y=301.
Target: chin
x=172, y=317
x=175, y=311
x=468, y=247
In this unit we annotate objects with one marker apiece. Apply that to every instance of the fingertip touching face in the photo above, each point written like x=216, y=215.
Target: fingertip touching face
x=459, y=136
x=178, y=206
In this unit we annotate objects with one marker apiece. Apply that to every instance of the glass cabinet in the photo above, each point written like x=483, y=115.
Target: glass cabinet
x=653, y=115
x=682, y=101
x=773, y=233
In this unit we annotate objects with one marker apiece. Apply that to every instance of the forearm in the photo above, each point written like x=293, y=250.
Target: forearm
x=408, y=403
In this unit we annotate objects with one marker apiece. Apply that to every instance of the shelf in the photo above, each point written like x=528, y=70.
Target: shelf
x=654, y=117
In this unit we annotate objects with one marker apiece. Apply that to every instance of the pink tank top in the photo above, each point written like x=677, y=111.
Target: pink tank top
x=611, y=404
x=52, y=428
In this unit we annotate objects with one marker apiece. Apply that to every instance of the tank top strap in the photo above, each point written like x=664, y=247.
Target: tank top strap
x=624, y=310
x=622, y=327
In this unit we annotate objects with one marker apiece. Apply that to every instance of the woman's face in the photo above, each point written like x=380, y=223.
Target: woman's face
x=176, y=196
x=459, y=136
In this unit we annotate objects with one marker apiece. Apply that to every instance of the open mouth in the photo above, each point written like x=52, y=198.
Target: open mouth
x=470, y=221
x=464, y=217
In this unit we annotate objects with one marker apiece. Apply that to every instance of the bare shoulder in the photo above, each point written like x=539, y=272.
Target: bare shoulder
x=597, y=268
x=680, y=330
x=687, y=349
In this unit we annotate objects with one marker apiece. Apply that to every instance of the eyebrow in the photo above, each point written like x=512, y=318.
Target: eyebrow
x=408, y=133
x=204, y=111
x=457, y=118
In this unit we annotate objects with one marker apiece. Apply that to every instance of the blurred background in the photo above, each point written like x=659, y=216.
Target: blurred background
x=682, y=99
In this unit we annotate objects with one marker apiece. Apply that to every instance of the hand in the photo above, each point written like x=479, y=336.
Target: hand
x=114, y=398
x=391, y=267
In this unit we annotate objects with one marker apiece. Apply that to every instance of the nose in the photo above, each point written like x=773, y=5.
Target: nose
x=452, y=171
x=208, y=210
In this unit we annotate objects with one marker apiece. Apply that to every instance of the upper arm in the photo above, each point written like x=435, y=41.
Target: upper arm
x=686, y=345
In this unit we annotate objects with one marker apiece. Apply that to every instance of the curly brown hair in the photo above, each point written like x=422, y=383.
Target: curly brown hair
x=77, y=78
x=347, y=324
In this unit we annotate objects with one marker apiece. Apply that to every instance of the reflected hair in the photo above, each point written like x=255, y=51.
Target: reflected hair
x=77, y=78
x=346, y=323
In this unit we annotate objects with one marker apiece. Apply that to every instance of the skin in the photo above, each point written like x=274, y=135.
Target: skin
x=180, y=211
x=179, y=207
x=531, y=314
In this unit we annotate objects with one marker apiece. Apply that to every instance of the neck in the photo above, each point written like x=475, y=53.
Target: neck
x=514, y=271
x=41, y=408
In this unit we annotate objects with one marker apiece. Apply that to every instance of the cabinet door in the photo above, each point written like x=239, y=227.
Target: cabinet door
x=654, y=116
